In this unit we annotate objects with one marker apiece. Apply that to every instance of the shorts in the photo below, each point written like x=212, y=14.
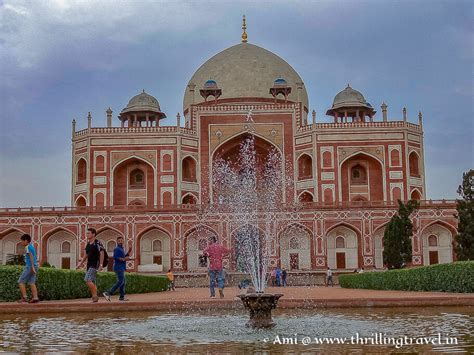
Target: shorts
x=27, y=276
x=91, y=275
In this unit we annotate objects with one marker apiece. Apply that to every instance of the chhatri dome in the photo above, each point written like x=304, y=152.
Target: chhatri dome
x=244, y=71
x=349, y=97
x=351, y=103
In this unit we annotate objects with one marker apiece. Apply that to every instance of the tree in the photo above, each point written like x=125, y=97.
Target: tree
x=465, y=214
x=396, y=239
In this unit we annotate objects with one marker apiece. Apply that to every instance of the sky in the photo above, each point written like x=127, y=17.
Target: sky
x=61, y=59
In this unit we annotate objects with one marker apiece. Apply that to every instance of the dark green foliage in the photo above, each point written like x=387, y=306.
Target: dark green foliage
x=453, y=277
x=14, y=259
x=396, y=240
x=46, y=264
x=58, y=284
x=465, y=213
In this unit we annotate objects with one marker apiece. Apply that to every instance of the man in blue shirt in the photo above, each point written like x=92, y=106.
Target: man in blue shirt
x=120, y=264
x=29, y=273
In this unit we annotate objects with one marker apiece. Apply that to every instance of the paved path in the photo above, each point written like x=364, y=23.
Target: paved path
x=293, y=297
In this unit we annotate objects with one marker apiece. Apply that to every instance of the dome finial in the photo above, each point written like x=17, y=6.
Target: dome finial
x=244, y=27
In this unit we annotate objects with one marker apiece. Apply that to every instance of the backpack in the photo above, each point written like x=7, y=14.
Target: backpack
x=106, y=256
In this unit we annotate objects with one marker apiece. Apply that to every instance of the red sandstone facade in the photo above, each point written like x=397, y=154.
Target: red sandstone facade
x=145, y=182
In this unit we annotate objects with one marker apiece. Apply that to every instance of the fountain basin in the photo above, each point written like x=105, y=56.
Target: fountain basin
x=260, y=306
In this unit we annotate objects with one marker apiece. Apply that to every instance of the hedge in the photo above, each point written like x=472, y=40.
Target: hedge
x=58, y=284
x=453, y=277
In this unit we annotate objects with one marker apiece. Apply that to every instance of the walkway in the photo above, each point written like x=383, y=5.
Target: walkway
x=293, y=297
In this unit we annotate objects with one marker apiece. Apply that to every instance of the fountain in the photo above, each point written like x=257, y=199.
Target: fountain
x=250, y=187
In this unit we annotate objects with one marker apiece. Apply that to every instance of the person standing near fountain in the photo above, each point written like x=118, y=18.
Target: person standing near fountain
x=216, y=252
x=329, y=277
x=95, y=253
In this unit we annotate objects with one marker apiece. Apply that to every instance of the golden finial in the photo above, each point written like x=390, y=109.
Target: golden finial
x=244, y=27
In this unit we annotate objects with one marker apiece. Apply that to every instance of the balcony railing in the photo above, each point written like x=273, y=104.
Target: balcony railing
x=112, y=130
x=303, y=206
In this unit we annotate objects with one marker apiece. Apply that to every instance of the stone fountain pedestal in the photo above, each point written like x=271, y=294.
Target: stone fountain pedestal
x=260, y=306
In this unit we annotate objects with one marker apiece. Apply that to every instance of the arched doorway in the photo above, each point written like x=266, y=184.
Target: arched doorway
x=8, y=245
x=133, y=180
x=155, y=251
x=361, y=177
x=437, y=245
x=342, y=248
x=61, y=250
x=306, y=197
x=197, y=241
x=295, y=249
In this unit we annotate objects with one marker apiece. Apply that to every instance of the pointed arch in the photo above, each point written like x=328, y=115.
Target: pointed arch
x=414, y=163
x=344, y=224
x=189, y=198
x=189, y=169
x=415, y=194
x=194, y=256
x=81, y=201
x=46, y=254
x=305, y=166
x=306, y=196
x=144, y=249
x=109, y=227
x=374, y=186
x=151, y=187
x=445, y=224
x=11, y=230
x=81, y=171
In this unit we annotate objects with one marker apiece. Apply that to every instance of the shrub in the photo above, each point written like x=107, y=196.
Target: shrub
x=453, y=277
x=58, y=284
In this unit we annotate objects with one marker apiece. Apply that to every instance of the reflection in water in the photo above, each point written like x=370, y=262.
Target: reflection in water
x=224, y=332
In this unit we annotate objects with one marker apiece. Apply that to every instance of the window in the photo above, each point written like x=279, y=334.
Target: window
x=432, y=241
x=66, y=247
x=414, y=165
x=358, y=175
x=137, y=179
x=305, y=167
x=189, y=200
x=294, y=243
x=189, y=169
x=306, y=197
x=340, y=243
x=81, y=171
x=157, y=245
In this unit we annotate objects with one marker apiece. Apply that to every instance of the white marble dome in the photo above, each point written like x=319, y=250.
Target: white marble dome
x=243, y=71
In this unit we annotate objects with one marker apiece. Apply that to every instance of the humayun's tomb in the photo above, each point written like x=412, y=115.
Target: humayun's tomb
x=146, y=182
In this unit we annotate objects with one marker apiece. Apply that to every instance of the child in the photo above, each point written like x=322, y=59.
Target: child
x=29, y=273
x=171, y=280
